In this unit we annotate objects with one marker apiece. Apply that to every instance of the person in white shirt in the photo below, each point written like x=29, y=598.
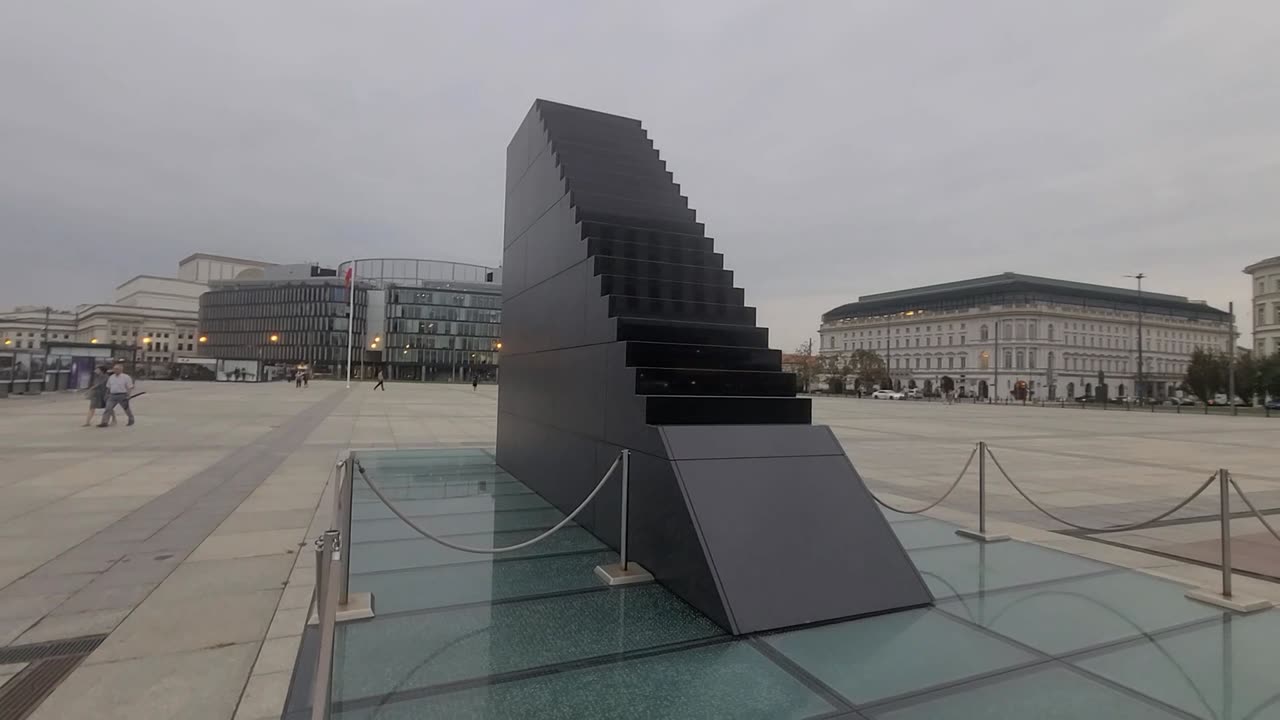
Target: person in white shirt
x=118, y=386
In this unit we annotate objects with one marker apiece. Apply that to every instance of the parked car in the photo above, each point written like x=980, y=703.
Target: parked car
x=1273, y=404
x=1184, y=401
x=913, y=393
x=1085, y=399
x=1221, y=399
x=888, y=395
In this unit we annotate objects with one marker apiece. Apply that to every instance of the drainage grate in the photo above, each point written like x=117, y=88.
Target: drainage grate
x=28, y=689
x=52, y=649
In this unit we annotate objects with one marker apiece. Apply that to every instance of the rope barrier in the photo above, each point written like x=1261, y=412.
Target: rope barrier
x=935, y=503
x=1231, y=478
x=1112, y=528
x=487, y=551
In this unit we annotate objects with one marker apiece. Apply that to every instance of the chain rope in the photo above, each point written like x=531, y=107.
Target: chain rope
x=1231, y=478
x=487, y=551
x=937, y=502
x=1111, y=528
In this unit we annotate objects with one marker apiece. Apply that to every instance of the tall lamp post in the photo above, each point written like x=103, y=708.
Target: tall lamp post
x=1141, y=385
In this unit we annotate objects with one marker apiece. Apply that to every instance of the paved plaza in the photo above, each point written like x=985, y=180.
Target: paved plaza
x=178, y=550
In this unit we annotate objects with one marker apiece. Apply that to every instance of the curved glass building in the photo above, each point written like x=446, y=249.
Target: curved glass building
x=429, y=319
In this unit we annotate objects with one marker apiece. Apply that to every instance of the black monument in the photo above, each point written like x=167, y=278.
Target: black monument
x=621, y=328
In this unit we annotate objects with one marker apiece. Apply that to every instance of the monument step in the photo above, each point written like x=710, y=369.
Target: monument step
x=627, y=205
x=691, y=333
x=677, y=355
x=714, y=382
x=626, y=306
x=585, y=215
x=654, y=253
x=655, y=288
x=646, y=235
x=676, y=272
x=695, y=410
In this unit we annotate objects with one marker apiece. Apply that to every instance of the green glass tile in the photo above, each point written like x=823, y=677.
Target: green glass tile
x=450, y=506
x=1075, y=614
x=879, y=657
x=1225, y=669
x=386, y=655
x=397, y=457
x=395, y=529
x=974, y=567
x=1049, y=693
x=422, y=588
x=897, y=517
x=927, y=533
x=423, y=552
x=729, y=681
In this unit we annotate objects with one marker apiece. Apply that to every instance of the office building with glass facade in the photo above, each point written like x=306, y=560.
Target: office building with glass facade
x=429, y=319
x=285, y=322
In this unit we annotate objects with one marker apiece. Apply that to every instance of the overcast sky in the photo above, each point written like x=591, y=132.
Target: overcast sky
x=833, y=149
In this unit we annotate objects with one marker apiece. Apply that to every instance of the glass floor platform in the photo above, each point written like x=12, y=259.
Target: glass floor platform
x=1018, y=631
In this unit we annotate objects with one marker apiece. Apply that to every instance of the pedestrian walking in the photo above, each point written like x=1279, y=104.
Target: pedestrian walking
x=306, y=378
x=118, y=386
x=297, y=380
x=380, y=384
x=475, y=382
x=97, y=392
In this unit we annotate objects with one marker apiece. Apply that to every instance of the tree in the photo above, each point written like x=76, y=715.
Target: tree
x=1206, y=373
x=806, y=366
x=835, y=369
x=868, y=366
x=1269, y=375
x=947, y=384
x=1248, y=377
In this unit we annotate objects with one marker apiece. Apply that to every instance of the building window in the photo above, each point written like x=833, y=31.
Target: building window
x=1008, y=359
x=1021, y=360
x=951, y=363
x=1031, y=359
x=1050, y=332
x=962, y=362
x=917, y=363
x=984, y=334
x=984, y=360
x=927, y=362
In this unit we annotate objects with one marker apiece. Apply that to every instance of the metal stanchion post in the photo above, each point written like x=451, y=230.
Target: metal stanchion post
x=328, y=546
x=1225, y=502
x=1226, y=598
x=626, y=495
x=344, y=526
x=624, y=572
x=982, y=534
x=350, y=606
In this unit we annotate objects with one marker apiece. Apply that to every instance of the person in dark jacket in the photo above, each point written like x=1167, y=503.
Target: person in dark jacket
x=97, y=392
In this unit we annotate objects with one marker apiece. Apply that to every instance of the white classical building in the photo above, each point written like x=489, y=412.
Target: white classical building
x=1012, y=335
x=1266, y=305
x=151, y=319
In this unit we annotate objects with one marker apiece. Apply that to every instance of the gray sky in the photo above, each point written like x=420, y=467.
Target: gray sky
x=832, y=148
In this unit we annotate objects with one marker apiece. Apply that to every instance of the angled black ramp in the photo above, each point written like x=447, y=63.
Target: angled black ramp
x=623, y=328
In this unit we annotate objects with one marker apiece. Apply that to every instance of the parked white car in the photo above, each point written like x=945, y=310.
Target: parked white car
x=887, y=395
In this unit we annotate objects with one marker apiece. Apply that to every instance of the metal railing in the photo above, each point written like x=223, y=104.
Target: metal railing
x=1225, y=483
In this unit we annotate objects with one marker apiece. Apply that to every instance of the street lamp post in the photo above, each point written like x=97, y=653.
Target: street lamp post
x=1141, y=385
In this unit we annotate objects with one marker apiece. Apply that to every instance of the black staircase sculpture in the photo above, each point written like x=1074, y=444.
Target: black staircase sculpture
x=622, y=328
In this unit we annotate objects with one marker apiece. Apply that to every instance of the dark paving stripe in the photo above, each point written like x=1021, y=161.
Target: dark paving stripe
x=142, y=548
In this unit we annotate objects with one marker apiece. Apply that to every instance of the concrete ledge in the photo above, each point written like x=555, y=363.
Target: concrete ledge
x=1235, y=603
x=359, y=607
x=614, y=574
x=981, y=536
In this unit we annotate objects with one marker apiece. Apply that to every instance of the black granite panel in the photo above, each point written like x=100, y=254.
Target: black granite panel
x=687, y=381
x=797, y=540
x=682, y=410
x=672, y=355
